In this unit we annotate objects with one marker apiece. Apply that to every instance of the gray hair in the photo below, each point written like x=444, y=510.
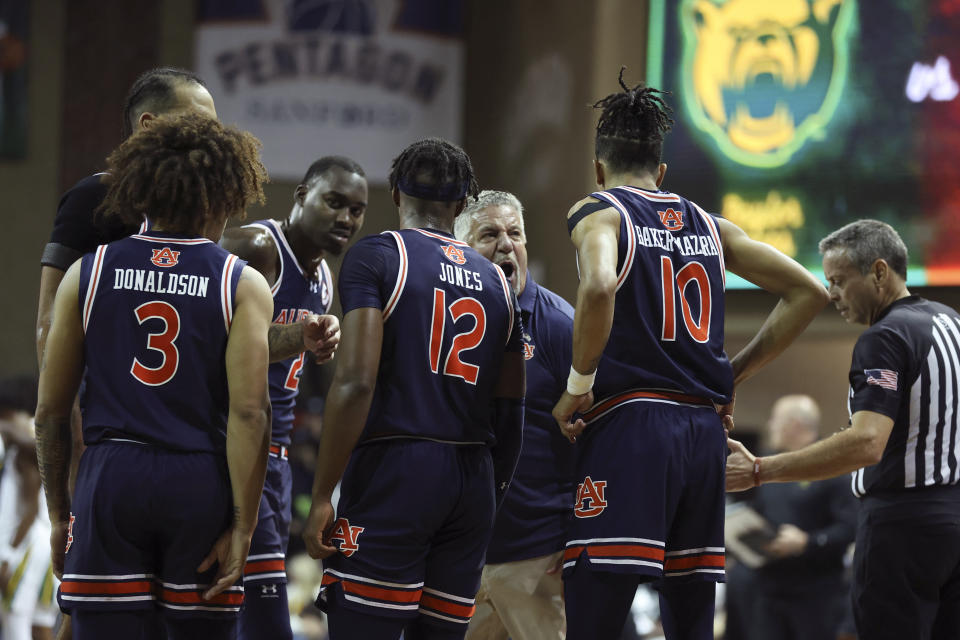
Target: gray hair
x=463, y=223
x=865, y=242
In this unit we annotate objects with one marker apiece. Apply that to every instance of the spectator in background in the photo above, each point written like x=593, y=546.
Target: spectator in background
x=800, y=592
x=27, y=583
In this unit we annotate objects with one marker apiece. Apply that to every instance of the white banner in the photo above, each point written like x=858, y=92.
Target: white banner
x=310, y=78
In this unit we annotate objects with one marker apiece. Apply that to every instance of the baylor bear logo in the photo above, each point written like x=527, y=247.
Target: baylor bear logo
x=762, y=77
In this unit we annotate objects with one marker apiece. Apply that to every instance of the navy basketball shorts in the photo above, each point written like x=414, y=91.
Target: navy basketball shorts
x=143, y=518
x=414, y=522
x=268, y=549
x=651, y=494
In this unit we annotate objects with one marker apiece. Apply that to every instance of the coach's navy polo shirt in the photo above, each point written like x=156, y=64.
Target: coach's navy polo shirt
x=532, y=521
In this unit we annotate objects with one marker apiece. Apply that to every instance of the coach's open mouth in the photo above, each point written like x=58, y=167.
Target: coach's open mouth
x=508, y=268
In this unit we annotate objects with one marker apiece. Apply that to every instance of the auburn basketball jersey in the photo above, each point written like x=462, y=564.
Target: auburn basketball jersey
x=156, y=311
x=449, y=315
x=668, y=314
x=295, y=295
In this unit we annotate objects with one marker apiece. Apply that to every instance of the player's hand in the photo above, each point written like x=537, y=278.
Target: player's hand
x=565, y=408
x=321, y=336
x=58, y=545
x=229, y=552
x=316, y=533
x=790, y=541
x=725, y=411
x=739, y=466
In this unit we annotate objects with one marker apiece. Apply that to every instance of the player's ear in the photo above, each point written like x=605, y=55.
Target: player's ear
x=599, y=168
x=396, y=196
x=461, y=204
x=299, y=193
x=661, y=171
x=145, y=120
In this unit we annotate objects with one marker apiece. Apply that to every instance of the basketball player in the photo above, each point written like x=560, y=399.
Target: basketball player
x=648, y=345
x=172, y=330
x=157, y=94
x=520, y=588
x=28, y=610
x=328, y=210
x=426, y=406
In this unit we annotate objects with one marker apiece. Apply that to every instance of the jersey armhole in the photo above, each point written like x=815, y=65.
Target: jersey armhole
x=401, y=276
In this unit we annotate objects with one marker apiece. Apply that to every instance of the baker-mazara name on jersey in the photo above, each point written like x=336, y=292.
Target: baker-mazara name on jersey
x=687, y=245
x=460, y=277
x=182, y=284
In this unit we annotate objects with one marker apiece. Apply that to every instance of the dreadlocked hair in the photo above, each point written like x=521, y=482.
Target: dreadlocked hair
x=434, y=169
x=632, y=126
x=182, y=172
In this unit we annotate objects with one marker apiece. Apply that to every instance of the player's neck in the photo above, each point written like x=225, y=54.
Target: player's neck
x=639, y=180
x=308, y=254
x=420, y=220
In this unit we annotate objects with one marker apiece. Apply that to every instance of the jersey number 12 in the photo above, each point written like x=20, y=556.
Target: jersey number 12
x=453, y=365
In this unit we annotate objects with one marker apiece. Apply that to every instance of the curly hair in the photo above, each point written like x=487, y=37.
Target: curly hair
x=632, y=126
x=434, y=169
x=182, y=172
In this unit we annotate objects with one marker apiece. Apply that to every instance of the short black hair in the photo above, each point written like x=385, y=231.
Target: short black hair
x=154, y=91
x=632, y=126
x=18, y=394
x=324, y=164
x=434, y=169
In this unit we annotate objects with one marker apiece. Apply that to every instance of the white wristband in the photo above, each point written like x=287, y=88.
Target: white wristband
x=578, y=383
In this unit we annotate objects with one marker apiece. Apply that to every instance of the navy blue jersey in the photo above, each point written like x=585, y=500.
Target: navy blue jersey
x=533, y=517
x=449, y=316
x=667, y=329
x=295, y=295
x=156, y=313
x=905, y=366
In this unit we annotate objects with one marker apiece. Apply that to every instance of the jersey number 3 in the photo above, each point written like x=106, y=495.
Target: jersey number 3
x=690, y=273
x=453, y=365
x=162, y=342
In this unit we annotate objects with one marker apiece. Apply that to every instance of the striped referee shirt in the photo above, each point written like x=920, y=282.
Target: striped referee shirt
x=906, y=366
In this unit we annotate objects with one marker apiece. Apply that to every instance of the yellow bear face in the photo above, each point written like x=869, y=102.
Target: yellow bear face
x=760, y=76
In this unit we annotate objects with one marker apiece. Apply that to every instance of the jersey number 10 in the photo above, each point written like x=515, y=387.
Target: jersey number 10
x=690, y=273
x=453, y=365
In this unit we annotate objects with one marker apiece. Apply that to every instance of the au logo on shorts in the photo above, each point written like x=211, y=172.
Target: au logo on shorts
x=347, y=536
x=70, y=533
x=590, y=500
x=454, y=254
x=528, y=350
x=165, y=257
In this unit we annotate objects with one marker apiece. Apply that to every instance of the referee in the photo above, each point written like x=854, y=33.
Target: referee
x=902, y=445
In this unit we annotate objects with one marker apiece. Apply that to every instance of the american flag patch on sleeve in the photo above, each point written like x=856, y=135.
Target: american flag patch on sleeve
x=882, y=378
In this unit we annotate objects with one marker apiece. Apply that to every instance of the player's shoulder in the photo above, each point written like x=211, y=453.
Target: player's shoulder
x=252, y=242
x=89, y=192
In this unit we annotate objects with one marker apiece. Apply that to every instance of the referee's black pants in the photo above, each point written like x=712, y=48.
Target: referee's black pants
x=907, y=568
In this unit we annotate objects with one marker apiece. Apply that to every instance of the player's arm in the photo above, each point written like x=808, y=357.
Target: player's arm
x=248, y=425
x=802, y=297
x=859, y=446
x=60, y=372
x=507, y=411
x=318, y=334
x=595, y=237
x=344, y=417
